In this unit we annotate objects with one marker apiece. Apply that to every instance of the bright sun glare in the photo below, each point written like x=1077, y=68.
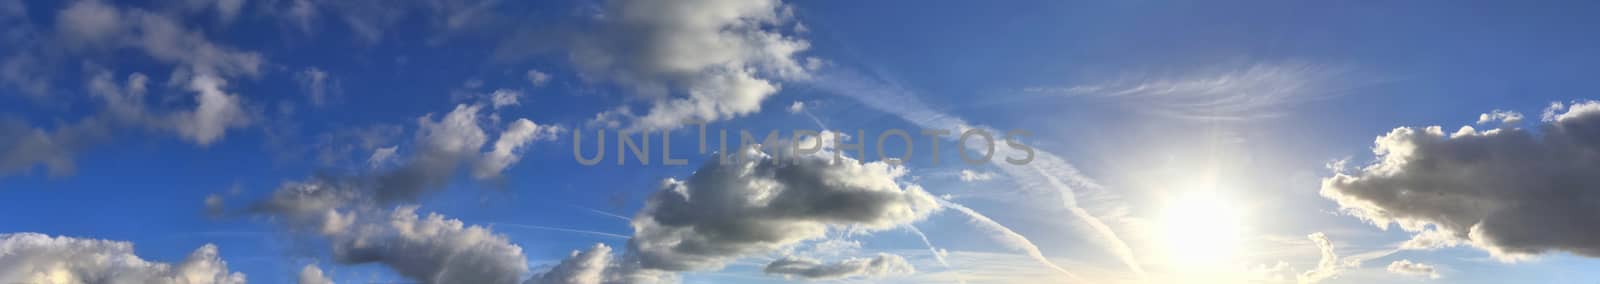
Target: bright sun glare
x=1202, y=229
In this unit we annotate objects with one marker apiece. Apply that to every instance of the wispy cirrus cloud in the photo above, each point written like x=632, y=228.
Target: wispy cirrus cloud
x=1256, y=91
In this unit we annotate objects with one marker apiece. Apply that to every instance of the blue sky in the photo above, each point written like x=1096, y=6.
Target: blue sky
x=298, y=141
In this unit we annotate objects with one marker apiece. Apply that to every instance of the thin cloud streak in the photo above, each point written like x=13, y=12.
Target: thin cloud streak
x=1010, y=238
x=1046, y=168
x=556, y=229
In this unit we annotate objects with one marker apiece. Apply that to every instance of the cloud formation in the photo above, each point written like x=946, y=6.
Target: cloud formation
x=1511, y=191
x=694, y=60
x=758, y=203
x=799, y=267
x=1406, y=267
x=313, y=275
x=37, y=258
x=1254, y=91
x=357, y=215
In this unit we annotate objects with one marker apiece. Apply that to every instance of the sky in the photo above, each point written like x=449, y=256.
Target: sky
x=467, y=141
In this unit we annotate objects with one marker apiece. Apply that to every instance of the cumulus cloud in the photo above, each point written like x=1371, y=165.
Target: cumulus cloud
x=1406, y=267
x=431, y=249
x=92, y=26
x=1513, y=192
x=215, y=113
x=427, y=248
x=313, y=275
x=37, y=258
x=357, y=215
x=761, y=203
x=1328, y=266
x=758, y=204
x=694, y=60
x=582, y=267
x=805, y=268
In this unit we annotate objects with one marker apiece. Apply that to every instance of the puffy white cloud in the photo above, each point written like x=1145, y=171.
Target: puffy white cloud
x=215, y=113
x=582, y=267
x=313, y=275
x=1502, y=116
x=1328, y=266
x=1406, y=267
x=431, y=249
x=1513, y=192
x=805, y=268
x=37, y=258
x=797, y=107
x=694, y=60
x=508, y=148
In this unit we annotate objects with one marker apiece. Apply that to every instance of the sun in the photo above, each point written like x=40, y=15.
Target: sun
x=1201, y=229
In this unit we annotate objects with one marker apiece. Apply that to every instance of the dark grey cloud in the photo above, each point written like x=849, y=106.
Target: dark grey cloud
x=26, y=146
x=729, y=210
x=756, y=205
x=805, y=268
x=1512, y=191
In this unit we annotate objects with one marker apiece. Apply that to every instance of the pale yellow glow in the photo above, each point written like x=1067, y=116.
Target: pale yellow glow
x=1202, y=230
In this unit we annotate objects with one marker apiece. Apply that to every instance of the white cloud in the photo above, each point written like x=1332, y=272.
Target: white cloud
x=804, y=268
x=1328, y=266
x=504, y=98
x=1406, y=267
x=427, y=248
x=37, y=258
x=537, y=78
x=382, y=156
x=1502, y=116
x=971, y=176
x=508, y=149
x=313, y=275
x=797, y=107
x=216, y=112
x=693, y=60
x=1513, y=192
x=582, y=267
